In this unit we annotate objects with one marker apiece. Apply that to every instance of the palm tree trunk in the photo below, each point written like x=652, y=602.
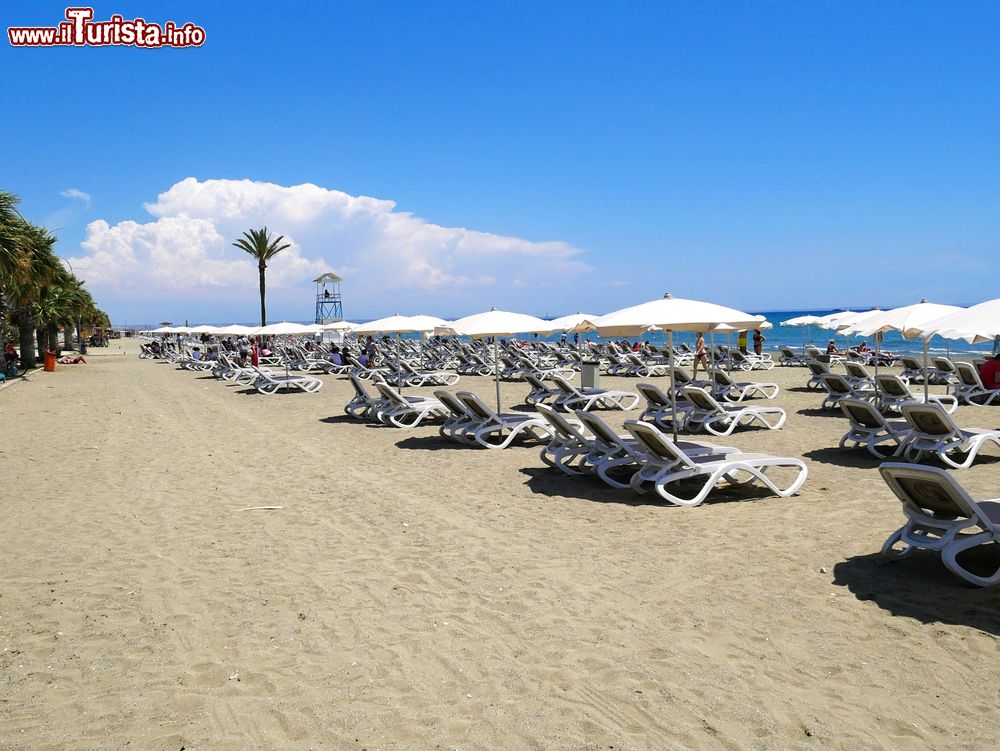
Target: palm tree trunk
x=3, y=320
x=53, y=333
x=263, y=309
x=40, y=337
x=26, y=334
x=68, y=336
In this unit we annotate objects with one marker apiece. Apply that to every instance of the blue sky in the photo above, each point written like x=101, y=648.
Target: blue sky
x=762, y=155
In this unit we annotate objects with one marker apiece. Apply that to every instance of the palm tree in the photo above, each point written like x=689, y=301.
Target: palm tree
x=13, y=260
x=24, y=291
x=258, y=243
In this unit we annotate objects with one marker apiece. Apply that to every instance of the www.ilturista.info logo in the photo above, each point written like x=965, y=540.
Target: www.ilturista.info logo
x=80, y=30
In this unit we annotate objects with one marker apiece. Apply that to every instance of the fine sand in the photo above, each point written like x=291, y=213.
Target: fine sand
x=415, y=595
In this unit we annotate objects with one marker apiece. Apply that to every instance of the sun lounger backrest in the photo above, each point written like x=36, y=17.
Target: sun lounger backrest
x=564, y=386
x=836, y=384
x=910, y=363
x=390, y=394
x=701, y=399
x=455, y=405
x=818, y=368
x=559, y=423
x=891, y=385
x=930, y=419
x=722, y=378
x=358, y=388
x=862, y=413
x=943, y=363
x=653, y=394
x=600, y=429
x=655, y=442
x=476, y=406
x=968, y=375
x=929, y=489
x=857, y=370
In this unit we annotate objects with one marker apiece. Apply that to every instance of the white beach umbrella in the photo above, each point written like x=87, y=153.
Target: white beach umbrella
x=339, y=326
x=674, y=314
x=808, y=321
x=205, y=329
x=495, y=323
x=570, y=322
x=284, y=328
x=182, y=330
x=977, y=324
x=236, y=330
x=397, y=324
x=164, y=330
x=907, y=320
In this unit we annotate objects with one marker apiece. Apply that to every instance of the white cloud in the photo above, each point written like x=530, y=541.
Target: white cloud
x=391, y=260
x=76, y=194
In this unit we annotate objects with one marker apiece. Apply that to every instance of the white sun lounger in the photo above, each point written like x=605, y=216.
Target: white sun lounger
x=970, y=388
x=893, y=393
x=572, y=398
x=838, y=389
x=405, y=412
x=818, y=370
x=567, y=445
x=869, y=428
x=658, y=408
x=719, y=419
x=940, y=516
x=664, y=464
x=610, y=451
x=934, y=432
x=460, y=425
x=732, y=391
x=496, y=424
x=270, y=383
x=361, y=407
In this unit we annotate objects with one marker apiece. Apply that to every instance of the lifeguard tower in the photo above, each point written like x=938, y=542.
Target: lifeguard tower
x=329, y=305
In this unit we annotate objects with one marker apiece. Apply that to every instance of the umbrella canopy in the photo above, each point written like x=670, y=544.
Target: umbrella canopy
x=841, y=321
x=570, y=322
x=181, y=330
x=493, y=323
x=673, y=314
x=205, y=329
x=236, y=330
x=398, y=324
x=164, y=330
x=283, y=329
x=908, y=320
x=338, y=326
x=980, y=323
x=804, y=321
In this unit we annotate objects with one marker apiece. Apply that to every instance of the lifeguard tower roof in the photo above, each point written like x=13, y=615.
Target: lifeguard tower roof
x=329, y=276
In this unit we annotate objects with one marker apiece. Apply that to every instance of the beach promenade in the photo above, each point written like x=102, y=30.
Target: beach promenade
x=413, y=594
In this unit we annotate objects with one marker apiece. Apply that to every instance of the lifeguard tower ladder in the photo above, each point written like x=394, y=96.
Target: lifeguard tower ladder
x=329, y=305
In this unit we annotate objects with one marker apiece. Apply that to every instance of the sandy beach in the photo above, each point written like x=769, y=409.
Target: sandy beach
x=412, y=594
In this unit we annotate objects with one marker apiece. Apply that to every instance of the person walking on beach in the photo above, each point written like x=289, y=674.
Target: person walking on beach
x=741, y=342
x=758, y=341
x=700, y=353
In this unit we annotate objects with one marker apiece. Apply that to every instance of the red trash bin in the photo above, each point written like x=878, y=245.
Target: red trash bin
x=50, y=361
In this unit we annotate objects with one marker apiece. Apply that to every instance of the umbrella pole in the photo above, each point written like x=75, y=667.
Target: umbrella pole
x=711, y=363
x=878, y=351
x=496, y=372
x=926, y=375
x=399, y=378
x=673, y=383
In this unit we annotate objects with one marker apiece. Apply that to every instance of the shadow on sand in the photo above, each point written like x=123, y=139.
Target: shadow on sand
x=817, y=412
x=544, y=481
x=856, y=458
x=921, y=587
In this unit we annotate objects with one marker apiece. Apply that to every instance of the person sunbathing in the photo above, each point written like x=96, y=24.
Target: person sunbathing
x=72, y=360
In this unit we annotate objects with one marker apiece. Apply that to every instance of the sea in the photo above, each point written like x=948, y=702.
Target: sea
x=792, y=336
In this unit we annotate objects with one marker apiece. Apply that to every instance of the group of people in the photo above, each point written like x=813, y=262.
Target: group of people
x=701, y=349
